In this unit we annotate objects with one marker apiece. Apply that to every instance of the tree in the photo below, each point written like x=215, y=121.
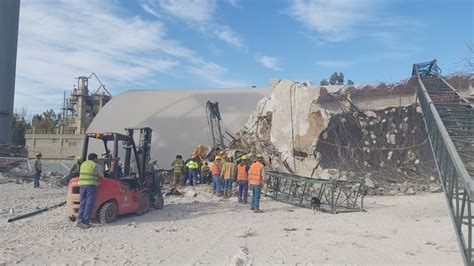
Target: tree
x=324, y=82
x=350, y=82
x=340, y=79
x=21, y=123
x=334, y=78
x=46, y=122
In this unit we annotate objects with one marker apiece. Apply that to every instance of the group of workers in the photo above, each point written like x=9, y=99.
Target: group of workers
x=223, y=172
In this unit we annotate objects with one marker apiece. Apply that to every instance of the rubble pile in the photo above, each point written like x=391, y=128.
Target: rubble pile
x=388, y=148
x=22, y=174
x=12, y=151
x=8, y=164
x=373, y=133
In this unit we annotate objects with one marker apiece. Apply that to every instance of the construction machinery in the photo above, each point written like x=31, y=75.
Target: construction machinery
x=214, y=123
x=128, y=186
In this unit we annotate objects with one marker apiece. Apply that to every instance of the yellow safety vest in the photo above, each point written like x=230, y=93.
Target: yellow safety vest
x=87, y=175
x=192, y=165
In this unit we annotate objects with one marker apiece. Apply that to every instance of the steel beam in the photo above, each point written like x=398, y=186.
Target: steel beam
x=448, y=123
x=336, y=196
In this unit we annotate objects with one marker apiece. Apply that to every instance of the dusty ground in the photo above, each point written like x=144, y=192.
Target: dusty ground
x=205, y=230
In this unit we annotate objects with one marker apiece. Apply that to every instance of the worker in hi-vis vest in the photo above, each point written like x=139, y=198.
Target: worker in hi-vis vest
x=88, y=180
x=193, y=168
x=216, y=176
x=256, y=181
x=243, y=179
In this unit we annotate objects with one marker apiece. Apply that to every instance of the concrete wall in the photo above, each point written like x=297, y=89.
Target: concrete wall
x=54, y=146
x=178, y=117
x=9, y=14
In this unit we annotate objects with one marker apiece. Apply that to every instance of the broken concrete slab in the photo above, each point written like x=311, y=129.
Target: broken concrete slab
x=307, y=129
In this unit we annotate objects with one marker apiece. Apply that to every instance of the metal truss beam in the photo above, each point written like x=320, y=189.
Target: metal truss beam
x=449, y=120
x=336, y=196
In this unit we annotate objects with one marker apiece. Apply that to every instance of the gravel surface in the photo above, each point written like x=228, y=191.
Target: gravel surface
x=210, y=230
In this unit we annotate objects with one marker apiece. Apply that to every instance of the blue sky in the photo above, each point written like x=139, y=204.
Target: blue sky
x=152, y=44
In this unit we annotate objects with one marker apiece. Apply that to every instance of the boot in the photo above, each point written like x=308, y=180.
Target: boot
x=225, y=194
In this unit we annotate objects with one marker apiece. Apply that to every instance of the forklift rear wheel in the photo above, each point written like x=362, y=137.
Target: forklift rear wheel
x=159, y=203
x=144, y=204
x=108, y=213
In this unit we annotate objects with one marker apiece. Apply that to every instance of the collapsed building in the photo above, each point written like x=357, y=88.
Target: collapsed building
x=373, y=133
x=178, y=117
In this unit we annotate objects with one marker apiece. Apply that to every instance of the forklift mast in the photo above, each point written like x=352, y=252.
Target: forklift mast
x=143, y=151
x=140, y=150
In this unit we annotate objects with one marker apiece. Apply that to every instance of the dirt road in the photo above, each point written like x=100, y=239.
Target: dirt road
x=205, y=230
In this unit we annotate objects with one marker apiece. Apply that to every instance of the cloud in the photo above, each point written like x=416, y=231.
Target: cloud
x=150, y=9
x=332, y=19
x=197, y=14
x=193, y=11
x=125, y=51
x=229, y=36
x=215, y=73
x=269, y=62
x=334, y=63
x=234, y=3
x=342, y=20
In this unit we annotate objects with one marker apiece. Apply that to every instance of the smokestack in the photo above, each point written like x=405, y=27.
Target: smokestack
x=9, y=15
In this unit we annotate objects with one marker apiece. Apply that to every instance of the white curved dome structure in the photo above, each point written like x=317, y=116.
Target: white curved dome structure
x=177, y=117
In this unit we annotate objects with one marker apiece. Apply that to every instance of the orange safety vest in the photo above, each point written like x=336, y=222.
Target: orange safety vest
x=255, y=177
x=216, y=168
x=242, y=174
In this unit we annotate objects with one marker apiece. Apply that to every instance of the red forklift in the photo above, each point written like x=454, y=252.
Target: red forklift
x=127, y=187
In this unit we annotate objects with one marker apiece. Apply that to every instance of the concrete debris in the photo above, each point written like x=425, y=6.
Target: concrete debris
x=410, y=191
x=323, y=131
x=191, y=194
x=8, y=164
x=435, y=188
x=13, y=151
x=369, y=183
x=21, y=174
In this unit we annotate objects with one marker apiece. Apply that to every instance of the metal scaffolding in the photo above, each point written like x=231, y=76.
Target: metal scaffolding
x=449, y=120
x=335, y=195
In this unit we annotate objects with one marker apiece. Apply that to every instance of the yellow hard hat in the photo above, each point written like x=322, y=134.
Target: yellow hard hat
x=259, y=156
x=38, y=154
x=244, y=157
x=221, y=152
x=79, y=158
x=218, y=158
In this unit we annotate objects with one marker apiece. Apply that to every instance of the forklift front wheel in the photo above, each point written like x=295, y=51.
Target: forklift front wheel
x=108, y=213
x=144, y=203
